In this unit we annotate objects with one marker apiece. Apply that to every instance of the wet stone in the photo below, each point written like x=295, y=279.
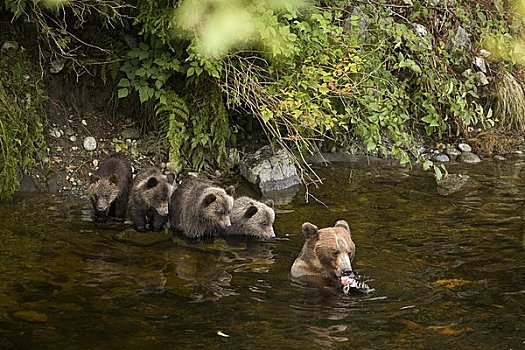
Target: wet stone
x=30, y=316
x=271, y=171
x=469, y=157
x=463, y=147
x=441, y=157
x=452, y=152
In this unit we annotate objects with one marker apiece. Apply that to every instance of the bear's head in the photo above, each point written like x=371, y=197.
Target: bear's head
x=327, y=252
x=252, y=218
x=216, y=205
x=103, y=191
x=157, y=190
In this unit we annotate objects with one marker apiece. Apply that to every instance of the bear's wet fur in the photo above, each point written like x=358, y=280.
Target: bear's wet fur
x=326, y=254
x=149, y=199
x=109, y=188
x=251, y=218
x=200, y=210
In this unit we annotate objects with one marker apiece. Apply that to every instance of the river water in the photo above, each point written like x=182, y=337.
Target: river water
x=448, y=272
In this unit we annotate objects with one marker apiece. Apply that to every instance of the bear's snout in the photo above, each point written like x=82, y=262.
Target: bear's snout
x=101, y=206
x=347, y=273
x=163, y=210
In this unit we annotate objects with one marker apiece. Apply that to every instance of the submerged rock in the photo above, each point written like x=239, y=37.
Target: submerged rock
x=451, y=183
x=30, y=316
x=271, y=171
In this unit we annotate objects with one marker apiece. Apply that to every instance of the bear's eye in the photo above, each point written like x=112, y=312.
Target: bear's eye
x=335, y=253
x=264, y=223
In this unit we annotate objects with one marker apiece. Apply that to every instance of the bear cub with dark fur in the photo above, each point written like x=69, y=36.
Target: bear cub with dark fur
x=251, y=218
x=109, y=188
x=149, y=199
x=326, y=255
x=200, y=209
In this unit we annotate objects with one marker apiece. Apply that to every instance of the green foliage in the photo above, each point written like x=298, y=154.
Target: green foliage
x=368, y=75
x=147, y=71
x=417, y=76
x=218, y=27
x=198, y=141
x=21, y=121
x=198, y=131
x=208, y=131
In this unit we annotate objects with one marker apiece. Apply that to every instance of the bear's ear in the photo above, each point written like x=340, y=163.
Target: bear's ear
x=113, y=179
x=230, y=190
x=152, y=182
x=309, y=230
x=250, y=211
x=269, y=202
x=344, y=224
x=209, y=199
x=94, y=178
x=171, y=178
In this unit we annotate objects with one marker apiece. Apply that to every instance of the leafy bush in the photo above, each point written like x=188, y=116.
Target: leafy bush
x=21, y=119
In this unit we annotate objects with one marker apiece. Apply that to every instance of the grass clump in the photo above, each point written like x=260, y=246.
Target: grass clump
x=510, y=103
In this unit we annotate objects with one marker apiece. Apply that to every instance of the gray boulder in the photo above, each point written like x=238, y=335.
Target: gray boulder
x=271, y=171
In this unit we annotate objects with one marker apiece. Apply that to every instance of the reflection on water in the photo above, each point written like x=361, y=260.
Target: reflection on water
x=448, y=272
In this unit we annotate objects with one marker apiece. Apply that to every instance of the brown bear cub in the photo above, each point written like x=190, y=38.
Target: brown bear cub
x=200, y=210
x=149, y=198
x=251, y=218
x=109, y=188
x=326, y=255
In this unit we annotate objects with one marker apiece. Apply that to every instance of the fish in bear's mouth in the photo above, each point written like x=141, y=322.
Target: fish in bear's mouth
x=349, y=281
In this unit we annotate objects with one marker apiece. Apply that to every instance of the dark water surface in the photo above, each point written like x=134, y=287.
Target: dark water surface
x=448, y=273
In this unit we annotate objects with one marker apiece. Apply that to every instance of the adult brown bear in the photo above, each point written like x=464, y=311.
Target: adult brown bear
x=326, y=255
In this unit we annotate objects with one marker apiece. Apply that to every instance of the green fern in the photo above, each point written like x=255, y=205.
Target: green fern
x=210, y=128
x=173, y=114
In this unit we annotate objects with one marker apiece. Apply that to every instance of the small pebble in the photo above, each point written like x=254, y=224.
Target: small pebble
x=90, y=144
x=55, y=132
